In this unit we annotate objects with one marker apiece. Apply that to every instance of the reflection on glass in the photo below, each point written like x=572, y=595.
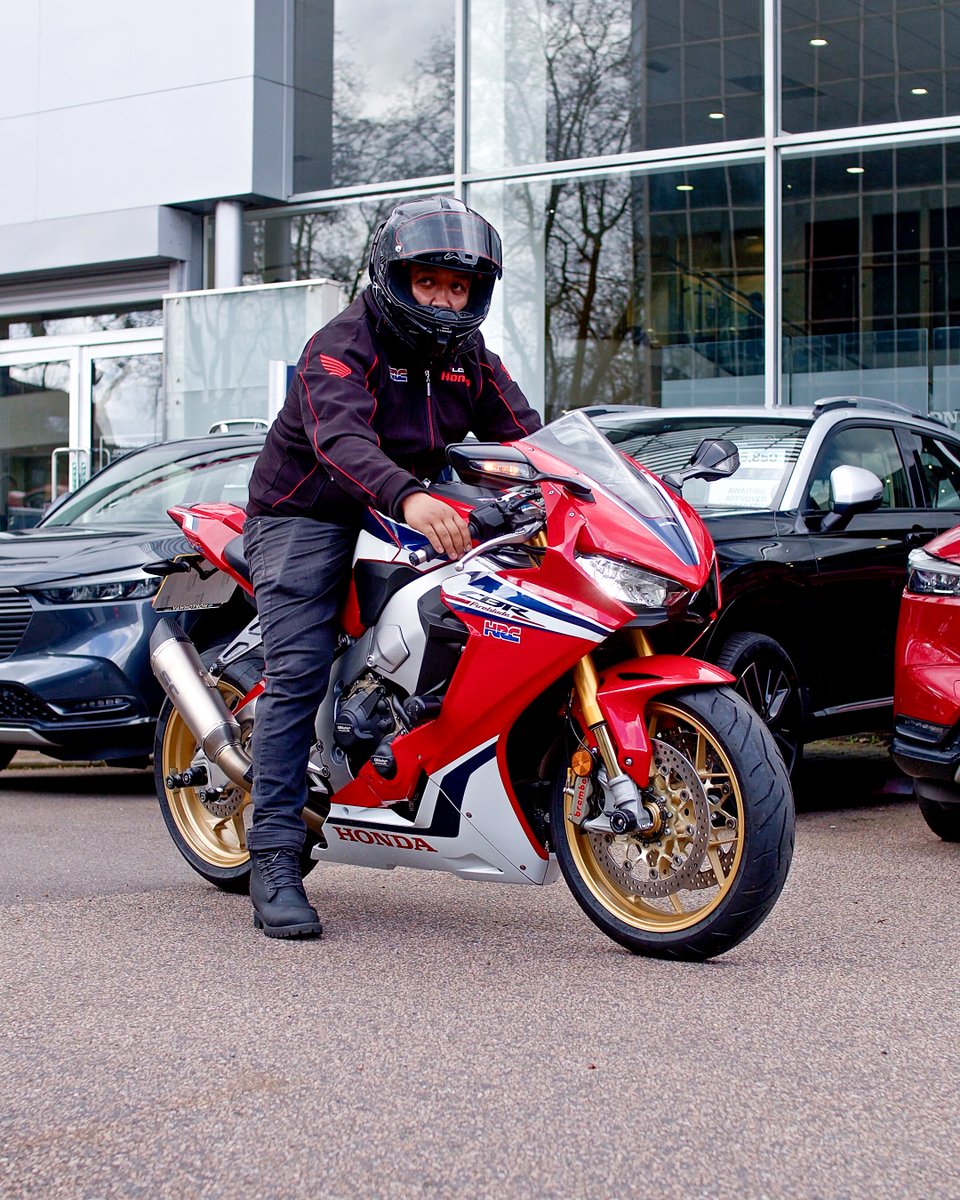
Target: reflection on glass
x=373, y=91
x=860, y=63
x=332, y=243
x=11, y=327
x=553, y=80
x=127, y=404
x=871, y=277
x=637, y=293
x=34, y=421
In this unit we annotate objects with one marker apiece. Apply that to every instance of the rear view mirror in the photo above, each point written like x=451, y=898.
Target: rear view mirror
x=714, y=458
x=853, y=490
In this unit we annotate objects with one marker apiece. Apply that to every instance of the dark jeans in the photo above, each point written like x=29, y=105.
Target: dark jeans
x=300, y=569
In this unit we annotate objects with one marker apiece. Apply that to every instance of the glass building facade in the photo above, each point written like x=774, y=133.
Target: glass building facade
x=707, y=201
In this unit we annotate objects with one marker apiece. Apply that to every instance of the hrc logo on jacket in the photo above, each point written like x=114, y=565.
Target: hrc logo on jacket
x=398, y=374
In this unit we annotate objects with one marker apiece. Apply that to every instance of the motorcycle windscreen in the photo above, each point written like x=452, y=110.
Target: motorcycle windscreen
x=575, y=440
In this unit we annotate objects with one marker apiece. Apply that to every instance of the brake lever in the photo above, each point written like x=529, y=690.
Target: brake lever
x=514, y=538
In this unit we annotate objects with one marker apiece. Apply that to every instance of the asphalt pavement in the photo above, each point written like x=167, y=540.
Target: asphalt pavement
x=447, y=1039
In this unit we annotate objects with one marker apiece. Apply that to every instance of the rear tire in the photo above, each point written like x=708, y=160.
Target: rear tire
x=215, y=847
x=768, y=681
x=714, y=870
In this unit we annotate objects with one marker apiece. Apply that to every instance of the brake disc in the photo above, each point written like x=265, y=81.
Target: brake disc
x=672, y=859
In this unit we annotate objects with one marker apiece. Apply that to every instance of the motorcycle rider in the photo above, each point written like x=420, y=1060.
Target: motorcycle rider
x=378, y=394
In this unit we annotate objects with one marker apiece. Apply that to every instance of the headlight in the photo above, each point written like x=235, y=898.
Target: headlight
x=113, y=589
x=929, y=576
x=634, y=586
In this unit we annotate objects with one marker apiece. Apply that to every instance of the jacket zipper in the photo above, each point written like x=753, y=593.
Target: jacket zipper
x=433, y=440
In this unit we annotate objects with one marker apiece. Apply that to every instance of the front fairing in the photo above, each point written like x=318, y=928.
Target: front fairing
x=633, y=516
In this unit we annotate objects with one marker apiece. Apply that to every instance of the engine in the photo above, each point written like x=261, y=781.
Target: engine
x=369, y=716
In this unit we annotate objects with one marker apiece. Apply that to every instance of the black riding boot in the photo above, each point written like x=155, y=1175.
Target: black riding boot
x=280, y=905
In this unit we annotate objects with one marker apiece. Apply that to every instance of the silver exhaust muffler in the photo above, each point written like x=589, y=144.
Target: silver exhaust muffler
x=192, y=691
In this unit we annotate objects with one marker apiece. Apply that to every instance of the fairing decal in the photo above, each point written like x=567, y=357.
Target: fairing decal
x=487, y=596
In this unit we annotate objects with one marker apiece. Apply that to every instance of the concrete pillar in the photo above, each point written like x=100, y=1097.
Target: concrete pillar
x=228, y=244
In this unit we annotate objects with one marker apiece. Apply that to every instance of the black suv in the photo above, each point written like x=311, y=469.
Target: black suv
x=812, y=560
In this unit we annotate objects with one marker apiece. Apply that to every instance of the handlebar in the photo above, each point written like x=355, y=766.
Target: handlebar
x=497, y=522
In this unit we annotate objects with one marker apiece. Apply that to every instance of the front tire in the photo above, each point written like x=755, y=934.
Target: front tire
x=717, y=863
x=215, y=846
x=941, y=819
x=768, y=681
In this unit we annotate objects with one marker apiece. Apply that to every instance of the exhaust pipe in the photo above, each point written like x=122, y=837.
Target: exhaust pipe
x=194, y=694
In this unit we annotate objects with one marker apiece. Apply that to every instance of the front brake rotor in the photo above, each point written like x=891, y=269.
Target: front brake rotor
x=671, y=860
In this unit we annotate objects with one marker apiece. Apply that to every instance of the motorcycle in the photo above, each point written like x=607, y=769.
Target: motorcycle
x=524, y=712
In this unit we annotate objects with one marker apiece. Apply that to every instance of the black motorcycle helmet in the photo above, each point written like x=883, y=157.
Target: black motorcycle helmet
x=439, y=232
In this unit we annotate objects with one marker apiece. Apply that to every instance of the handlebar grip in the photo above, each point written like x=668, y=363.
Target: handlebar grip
x=417, y=558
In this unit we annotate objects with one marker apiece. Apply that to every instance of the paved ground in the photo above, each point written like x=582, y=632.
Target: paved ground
x=449, y=1040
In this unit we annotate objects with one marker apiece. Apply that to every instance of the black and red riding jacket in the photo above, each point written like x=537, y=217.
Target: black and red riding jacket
x=365, y=421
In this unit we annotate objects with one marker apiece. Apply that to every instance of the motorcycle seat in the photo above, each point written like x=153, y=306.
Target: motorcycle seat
x=233, y=556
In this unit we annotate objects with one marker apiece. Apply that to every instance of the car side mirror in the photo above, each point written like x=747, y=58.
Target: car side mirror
x=714, y=458
x=853, y=490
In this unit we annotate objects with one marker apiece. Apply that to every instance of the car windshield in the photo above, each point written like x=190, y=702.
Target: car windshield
x=575, y=440
x=136, y=491
x=768, y=451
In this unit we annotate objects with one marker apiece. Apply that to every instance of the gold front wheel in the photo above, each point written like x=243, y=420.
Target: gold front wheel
x=713, y=864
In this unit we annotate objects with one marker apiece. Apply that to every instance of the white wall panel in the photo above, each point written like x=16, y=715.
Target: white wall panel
x=163, y=148
x=18, y=170
x=101, y=50
x=20, y=39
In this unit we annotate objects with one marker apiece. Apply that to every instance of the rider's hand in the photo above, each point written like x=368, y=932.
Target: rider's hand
x=446, y=529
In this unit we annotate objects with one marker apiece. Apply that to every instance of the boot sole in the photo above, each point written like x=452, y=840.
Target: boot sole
x=306, y=930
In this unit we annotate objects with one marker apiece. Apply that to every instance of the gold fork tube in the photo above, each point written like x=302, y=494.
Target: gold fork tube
x=585, y=683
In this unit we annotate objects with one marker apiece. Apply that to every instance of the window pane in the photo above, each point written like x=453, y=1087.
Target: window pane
x=644, y=289
x=864, y=63
x=871, y=277
x=872, y=448
x=331, y=243
x=552, y=80
x=938, y=472
x=373, y=91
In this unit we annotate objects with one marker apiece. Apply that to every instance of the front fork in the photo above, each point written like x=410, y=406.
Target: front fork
x=623, y=807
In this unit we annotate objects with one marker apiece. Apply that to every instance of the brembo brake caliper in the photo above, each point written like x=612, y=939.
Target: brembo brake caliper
x=623, y=806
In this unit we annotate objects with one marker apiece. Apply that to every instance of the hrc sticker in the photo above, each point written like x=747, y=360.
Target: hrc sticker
x=505, y=633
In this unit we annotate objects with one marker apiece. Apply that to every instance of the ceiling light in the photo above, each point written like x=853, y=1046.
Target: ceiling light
x=684, y=187
x=918, y=91
x=715, y=116
x=855, y=170
x=819, y=42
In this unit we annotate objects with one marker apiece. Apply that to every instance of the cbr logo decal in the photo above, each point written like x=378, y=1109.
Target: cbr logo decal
x=398, y=374
x=505, y=633
x=374, y=837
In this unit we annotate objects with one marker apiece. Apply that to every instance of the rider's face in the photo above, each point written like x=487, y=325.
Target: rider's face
x=440, y=287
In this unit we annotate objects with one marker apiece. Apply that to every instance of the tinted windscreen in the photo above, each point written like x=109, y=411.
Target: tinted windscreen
x=136, y=491
x=768, y=451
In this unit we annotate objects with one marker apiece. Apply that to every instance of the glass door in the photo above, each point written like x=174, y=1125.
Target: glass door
x=68, y=409
x=35, y=410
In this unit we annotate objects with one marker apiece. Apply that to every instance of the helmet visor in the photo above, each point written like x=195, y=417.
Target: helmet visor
x=460, y=240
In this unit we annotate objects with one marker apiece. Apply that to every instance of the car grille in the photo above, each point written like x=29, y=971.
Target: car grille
x=19, y=704
x=15, y=614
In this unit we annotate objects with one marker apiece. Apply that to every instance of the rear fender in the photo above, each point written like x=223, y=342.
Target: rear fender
x=624, y=690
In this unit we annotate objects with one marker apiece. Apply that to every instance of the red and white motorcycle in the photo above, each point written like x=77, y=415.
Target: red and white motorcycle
x=523, y=712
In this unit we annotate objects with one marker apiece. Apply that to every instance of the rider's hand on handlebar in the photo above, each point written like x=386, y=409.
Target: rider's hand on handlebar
x=446, y=530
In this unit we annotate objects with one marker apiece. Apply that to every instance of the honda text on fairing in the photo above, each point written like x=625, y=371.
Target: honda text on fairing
x=510, y=716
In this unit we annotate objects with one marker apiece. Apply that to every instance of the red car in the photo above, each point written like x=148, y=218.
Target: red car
x=926, y=743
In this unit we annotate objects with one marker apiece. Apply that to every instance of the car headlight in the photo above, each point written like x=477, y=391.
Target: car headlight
x=112, y=589
x=632, y=585
x=929, y=576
